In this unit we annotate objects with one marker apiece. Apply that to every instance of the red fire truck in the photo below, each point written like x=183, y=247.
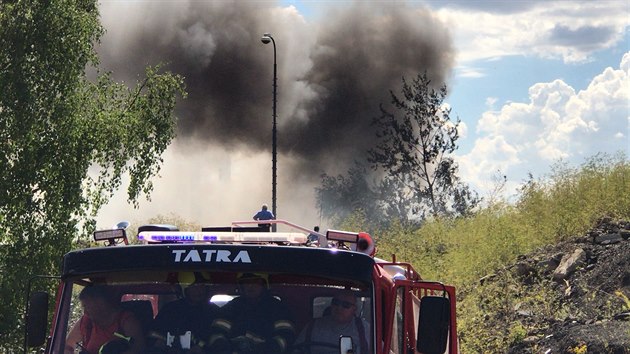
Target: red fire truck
x=305, y=269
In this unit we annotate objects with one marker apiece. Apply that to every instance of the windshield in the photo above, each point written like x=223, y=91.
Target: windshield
x=203, y=311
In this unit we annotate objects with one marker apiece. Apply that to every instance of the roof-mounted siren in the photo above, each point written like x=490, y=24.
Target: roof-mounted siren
x=359, y=241
x=366, y=244
x=113, y=234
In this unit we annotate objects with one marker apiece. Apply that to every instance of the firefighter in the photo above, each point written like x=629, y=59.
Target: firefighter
x=313, y=236
x=321, y=336
x=253, y=323
x=182, y=325
x=104, y=326
x=262, y=215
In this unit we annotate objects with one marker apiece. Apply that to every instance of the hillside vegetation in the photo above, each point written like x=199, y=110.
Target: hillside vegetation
x=462, y=251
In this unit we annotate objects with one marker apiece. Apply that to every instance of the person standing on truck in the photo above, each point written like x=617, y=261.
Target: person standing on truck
x=314, y=237
x=184, y=323
x=104, y=325
x=264, y=214
x=254, y=323
x=321, y=336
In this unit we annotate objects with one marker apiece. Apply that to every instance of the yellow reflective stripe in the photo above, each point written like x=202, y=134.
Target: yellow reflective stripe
x=257, y=339
x=156, y=335
x=116, y=334
x=222, y=324
x=283, y=325
x=215, y=337
x=282, y=343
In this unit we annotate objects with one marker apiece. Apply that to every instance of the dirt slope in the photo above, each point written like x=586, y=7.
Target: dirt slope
x=576, y=295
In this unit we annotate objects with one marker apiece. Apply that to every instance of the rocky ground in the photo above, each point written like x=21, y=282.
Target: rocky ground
x=586, y=282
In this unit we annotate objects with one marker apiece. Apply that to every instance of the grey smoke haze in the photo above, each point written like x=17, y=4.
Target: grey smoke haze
x=334, y=70
x=333, y=74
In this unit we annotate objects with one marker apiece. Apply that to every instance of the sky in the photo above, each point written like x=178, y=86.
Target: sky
x=533, y=82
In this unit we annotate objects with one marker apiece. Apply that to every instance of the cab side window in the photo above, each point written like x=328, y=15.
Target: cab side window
x=398, y=323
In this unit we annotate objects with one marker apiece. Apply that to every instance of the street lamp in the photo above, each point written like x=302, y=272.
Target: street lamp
x=266, y=38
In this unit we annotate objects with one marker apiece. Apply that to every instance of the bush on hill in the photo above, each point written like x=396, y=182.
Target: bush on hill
x=461, y=251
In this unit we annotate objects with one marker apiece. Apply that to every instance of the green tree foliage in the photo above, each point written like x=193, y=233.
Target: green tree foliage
x=413, y=149
x=55, y=125
x=381, y=202
x=461, y=251
x=414, y=176
x=174, y=219
x=339, y=197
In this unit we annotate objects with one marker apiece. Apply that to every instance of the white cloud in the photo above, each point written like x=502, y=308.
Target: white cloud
x=498, y=155
x=469, y=72
x=571, y=30
x=490, y=101
x=557, y=122
x=462, y=130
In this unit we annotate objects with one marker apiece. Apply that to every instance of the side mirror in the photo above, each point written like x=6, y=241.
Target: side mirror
x=36, y=319
x=434, y=319
x=345, y=345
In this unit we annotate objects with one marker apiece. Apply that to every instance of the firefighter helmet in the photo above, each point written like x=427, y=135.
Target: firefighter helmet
x=188, y=279
x=246, y=277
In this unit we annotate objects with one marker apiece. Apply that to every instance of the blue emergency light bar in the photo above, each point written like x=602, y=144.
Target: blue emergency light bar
x=236, y=237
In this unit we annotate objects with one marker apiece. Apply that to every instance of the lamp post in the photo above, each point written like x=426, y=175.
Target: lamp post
x=266, y=38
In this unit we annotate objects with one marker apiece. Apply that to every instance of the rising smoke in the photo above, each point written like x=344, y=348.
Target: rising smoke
x=334, y=70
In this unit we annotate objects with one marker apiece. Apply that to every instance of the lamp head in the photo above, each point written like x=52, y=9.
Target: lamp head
x=266, y=38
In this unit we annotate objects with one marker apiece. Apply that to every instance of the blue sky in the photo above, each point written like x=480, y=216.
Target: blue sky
x=532, y=81
x=508, y=79
x=570, y=44
x=504, y=49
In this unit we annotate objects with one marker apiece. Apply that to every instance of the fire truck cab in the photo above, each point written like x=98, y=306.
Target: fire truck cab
x=305, y=270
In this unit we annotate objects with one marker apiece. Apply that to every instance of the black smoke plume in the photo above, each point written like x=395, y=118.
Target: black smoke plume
x=334, y=70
